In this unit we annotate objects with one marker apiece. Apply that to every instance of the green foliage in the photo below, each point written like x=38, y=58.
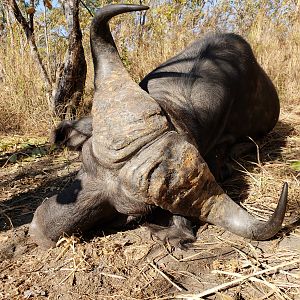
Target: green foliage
x=16, y=149
x=295, y=165
x=13, y=158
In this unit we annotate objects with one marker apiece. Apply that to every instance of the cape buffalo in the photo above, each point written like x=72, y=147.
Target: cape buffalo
x=147, y=149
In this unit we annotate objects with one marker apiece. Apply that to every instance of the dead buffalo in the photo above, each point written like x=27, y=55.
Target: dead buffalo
x=146, y=150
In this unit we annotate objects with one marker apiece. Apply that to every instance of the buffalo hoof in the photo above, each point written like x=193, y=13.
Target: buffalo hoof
x=176, y=237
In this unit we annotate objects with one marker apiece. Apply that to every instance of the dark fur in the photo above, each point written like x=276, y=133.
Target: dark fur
x=240, y=99
x=73, y=134
x=218, y=90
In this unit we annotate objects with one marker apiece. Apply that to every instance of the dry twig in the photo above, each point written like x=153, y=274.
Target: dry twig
x=165, y=276
x=235, y=282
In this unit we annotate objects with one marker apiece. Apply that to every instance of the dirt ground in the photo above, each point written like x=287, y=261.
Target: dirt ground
x=129, y=263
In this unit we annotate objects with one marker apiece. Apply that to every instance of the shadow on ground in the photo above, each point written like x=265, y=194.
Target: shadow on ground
x=29, y=150
x=122, y=265
x=25, y=189
x=268, y=149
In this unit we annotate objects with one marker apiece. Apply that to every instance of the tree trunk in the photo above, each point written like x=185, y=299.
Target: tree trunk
x=71, y=83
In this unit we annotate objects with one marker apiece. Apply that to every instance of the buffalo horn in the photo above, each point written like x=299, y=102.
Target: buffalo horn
x=106, y=58
x=229, y=215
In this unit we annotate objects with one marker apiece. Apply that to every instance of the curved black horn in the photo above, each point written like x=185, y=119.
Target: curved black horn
x=229, y=215
x=105, y=54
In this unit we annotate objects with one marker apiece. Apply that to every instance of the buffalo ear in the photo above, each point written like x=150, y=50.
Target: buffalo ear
x=73, y=134
x=61, y=133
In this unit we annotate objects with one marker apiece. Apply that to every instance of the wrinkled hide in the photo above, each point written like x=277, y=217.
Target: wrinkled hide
x=147, y=149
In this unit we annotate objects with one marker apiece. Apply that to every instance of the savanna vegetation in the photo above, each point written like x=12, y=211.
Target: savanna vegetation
x=144, y=41
x=129, y=264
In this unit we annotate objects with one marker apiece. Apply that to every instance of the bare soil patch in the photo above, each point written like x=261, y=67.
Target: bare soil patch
x=129, y=264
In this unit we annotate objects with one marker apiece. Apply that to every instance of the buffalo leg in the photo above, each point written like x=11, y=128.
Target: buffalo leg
x=178, y=234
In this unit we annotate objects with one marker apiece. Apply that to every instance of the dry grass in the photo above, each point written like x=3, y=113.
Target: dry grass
x=273, y=32
x=23, y=105
x=277, y=48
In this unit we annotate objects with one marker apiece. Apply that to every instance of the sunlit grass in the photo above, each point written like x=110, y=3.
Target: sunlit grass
x=272, y=29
